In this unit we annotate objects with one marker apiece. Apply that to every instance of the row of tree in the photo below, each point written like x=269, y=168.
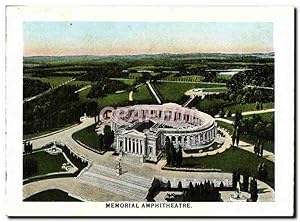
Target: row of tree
x=173, y=156
x=253, y=190
x=27, y=147
x=33, y=87
x=55, y=109
x=201, y=192
x=104, y=87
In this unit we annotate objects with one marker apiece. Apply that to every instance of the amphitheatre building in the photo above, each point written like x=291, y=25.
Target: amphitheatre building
x=143, y=129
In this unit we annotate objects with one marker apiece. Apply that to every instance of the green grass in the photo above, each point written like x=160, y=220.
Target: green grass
x=172, y=91
x=46, y=163
x=128, y=82
x=266, y=117
x=46, y=131
x=232, y=160
x=218, y=89
x=53, y=80
x=51, y=195
x=88, y=136
x=246, y=107
x=79, y=83
x=268, y=145
x=142, y=93
x=195, y=78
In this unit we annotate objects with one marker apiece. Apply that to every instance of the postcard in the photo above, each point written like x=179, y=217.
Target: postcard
x=150, y=111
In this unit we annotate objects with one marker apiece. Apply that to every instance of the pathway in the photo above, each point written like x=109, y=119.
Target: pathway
x=92, y=192
x=153, y=92
x=259, y=87
x=247, y=113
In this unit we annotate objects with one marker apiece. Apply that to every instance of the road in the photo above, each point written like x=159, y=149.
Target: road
x=259, y=87
x=153, y=92
x=92, y=193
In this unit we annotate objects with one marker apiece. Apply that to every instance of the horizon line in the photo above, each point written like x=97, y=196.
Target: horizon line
x=162, y=53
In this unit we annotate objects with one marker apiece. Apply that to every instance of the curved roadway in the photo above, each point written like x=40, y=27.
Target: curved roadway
x=87, y=192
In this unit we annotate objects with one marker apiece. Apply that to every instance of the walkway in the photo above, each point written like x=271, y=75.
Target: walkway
x=93, y=192
x=153, y=92
x=259, y=87
x=247, y=113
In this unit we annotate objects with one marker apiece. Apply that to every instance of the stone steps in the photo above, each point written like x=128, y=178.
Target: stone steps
x=126, y=177
x=128, y=185
x=133, y=159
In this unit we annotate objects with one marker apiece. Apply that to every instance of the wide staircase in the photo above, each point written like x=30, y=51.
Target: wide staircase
x=133, y=159
x=126, y=184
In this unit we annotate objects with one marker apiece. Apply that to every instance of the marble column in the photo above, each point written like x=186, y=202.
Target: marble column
x=143, y=148
x=137, y=148
x=131, y=145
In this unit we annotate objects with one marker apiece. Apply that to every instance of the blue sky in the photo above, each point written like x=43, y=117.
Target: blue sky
x=119, y=38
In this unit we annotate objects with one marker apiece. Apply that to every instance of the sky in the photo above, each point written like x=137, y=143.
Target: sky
x=127, y=38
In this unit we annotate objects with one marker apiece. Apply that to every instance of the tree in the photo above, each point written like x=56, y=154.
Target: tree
x=257, y=106
x=107, y=137
x=245, y=182
x=101, y=143
x=179, y=185
x=253, y=190
x=237, y=136
x=234, y=180
x=179, y=157
x=221, y=185
x=229, y=113
x=233, y=137
x=173, y=155
x=168, y=184
x=262, y=172
x=167, y=151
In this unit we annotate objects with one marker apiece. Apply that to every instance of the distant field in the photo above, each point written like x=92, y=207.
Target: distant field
x=118, y=99
x=54, y=81
x=142, y=93
x=267, y=117
x=172, y=91
x=247, y=107
x=195, y=78
x=219, y=89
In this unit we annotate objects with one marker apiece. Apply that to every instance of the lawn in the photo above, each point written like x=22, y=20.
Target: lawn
x=88, y=136
x=268, y=145
x=53, y=80
x=192, y=78
x=51, y=195
x=232, y=160
x=217, y=89
x=46, y=131
x=120, y=99
x=247, y=107
x=45, y=163
x=142, y=93
x=172, y=91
